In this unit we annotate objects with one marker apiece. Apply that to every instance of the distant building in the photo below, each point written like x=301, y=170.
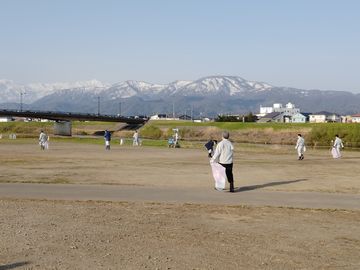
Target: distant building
x=265, y=110
x=355, y=118
x=275, y=117
x=184, y=117
x=324, y=117
x=158, y=117
x=298, y=118
x=6, y=119
x=206, y=119
x=346, y=119
x=162, y=117
x=288, y=110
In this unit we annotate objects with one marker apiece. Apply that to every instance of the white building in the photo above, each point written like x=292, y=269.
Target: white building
x=298, y=118
x=355, y=118
x=265, y=110
x=288, y=110
x=6, y=119
x=324, y=117
x=158, y=117
x=162, y=117
x=346, y=119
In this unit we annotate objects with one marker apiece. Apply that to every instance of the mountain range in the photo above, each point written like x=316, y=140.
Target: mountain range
x=207, y=96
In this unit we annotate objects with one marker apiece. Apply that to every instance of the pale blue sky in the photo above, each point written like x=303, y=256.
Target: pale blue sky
x=311, y=44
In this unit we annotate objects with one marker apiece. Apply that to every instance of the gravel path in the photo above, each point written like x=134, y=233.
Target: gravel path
x=244, y=196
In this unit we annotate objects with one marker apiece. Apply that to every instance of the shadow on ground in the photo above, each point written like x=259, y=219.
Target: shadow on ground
x=271, y=184
x=13, y=265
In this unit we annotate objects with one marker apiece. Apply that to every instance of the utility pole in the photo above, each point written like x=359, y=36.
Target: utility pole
x=192, y=112
x=120, y=108
x=98, y=105
x=21, y=100
x=173, y=109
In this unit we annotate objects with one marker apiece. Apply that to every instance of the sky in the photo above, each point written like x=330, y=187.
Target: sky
x=307, y=44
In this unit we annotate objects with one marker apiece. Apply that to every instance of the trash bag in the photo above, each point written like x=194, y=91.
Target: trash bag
x=219, y=175
x=335, y=153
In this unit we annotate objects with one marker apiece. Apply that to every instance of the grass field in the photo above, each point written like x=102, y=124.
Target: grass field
x=265, y=133
x=316, y=134
x=230, y=125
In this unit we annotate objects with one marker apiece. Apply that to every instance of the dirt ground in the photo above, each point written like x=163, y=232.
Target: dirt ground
x=40, y=234
x=97, y=235
x=270, y=167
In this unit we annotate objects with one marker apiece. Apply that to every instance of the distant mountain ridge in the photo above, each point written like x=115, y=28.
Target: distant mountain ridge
x=206, y=96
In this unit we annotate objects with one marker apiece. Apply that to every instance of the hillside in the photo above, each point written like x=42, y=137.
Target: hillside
x=207, y=96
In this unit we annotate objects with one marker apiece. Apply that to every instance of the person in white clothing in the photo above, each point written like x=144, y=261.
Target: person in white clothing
x=224, y=156
x=136, y=138
x=300, y=147
x=338, y=144
x=43, y=140
x=176, y=137
x=47, y=143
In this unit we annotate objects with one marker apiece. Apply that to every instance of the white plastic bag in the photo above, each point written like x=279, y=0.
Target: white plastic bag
x=335, y=153
x=219, y=175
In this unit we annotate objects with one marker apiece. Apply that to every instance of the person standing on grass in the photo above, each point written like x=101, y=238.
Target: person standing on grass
x=136, y=138
x=224, y=156
x=176, y=137
x=107, y=137
x=338, y=144
x=300, y=147
x=43, y=140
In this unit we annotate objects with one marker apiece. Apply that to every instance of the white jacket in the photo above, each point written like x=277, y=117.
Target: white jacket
x=43, y=137
x=338, y=143
x=300, y=143
x=223, y=152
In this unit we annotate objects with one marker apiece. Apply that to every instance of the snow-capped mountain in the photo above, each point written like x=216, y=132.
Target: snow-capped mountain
x=223, y=85
x=10, y=91
x=133, y=88
x=207, y=96
x=213, y=85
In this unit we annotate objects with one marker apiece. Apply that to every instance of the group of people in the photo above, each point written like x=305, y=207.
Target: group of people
x=107, y=137
x=223, y=153
x=44, y=140
x=173, y=141
x=337, y=145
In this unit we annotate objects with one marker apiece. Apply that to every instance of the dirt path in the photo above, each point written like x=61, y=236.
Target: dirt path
x=243, y=196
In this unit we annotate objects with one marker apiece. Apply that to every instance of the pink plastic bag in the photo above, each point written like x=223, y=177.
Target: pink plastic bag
x=219, y=175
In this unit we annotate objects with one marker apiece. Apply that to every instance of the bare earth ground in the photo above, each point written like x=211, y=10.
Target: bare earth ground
x=155, y=166
x=40, y=234
x=95, y=235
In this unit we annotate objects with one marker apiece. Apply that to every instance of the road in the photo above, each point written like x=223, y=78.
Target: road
x=177, y=195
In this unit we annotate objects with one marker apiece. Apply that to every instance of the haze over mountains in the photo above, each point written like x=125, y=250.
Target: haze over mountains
x=207, y=96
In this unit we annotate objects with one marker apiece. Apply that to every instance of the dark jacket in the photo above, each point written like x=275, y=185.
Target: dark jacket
x=107, y=135
x=209, y=145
